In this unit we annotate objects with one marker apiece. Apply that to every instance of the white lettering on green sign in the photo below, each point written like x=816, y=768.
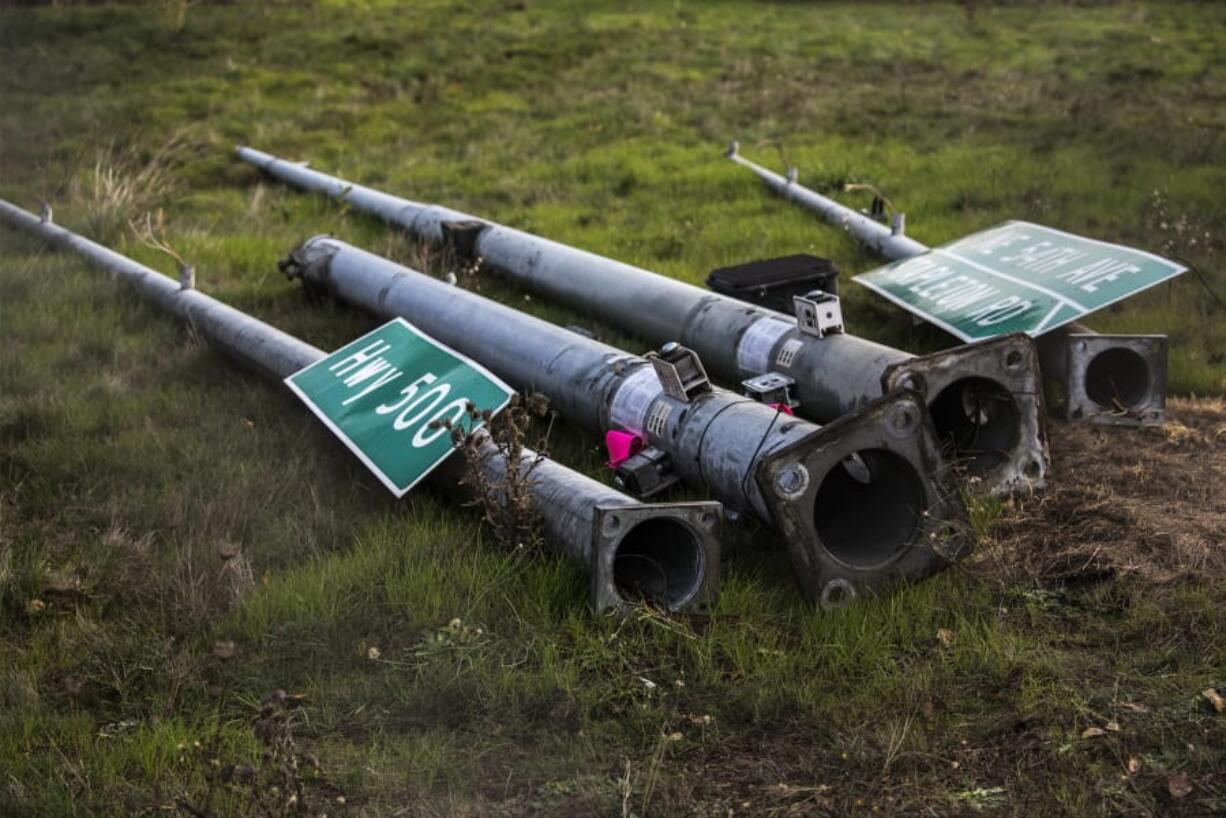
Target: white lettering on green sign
x=390, y=397
x=1016, y=277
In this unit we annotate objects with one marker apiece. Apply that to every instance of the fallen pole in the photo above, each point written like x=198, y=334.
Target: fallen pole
x=861, y=503
x=667, y=553
x=984, y=399
x=1112, y=379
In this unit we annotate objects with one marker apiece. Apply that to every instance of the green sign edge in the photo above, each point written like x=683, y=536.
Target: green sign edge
x=348, y=441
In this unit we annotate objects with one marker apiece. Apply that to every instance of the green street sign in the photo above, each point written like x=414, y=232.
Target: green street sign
x=1016, y=277
x=380, y=393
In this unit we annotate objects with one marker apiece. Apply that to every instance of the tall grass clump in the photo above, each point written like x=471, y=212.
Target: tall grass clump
x=121, y=183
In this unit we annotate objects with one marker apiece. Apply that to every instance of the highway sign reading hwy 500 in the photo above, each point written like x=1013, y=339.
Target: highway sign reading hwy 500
x=1016, y=277
x=382, y=394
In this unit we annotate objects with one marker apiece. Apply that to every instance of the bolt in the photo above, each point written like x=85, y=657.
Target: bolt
x=791, y=479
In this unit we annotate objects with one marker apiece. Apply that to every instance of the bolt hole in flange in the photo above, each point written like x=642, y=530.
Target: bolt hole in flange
x=661, y=561
x=1117, y=378
x=837, y=593
x=977, y=422
x=864, y=524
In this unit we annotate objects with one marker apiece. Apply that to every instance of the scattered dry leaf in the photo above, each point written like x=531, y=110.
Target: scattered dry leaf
x=1178, y=785
x=1093, y=732
x=1113, y=726
x=1134, y=765
x=223, y=649
x=373, y=653
x=1215, y=699
x=945, y=636
x=35, y=606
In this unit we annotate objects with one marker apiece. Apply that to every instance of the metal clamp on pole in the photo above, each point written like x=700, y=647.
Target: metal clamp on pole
x=646, y=473
x=771, y=388
x=818, y=313
x=680, y=371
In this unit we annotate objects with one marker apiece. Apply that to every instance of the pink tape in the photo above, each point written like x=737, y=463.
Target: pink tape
x=622, y=446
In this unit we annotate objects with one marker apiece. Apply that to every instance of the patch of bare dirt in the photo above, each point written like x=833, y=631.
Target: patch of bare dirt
x=1150, y=502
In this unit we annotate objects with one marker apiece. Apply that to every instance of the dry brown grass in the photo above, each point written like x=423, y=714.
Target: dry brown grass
x=1147, y=502
x=121, y=182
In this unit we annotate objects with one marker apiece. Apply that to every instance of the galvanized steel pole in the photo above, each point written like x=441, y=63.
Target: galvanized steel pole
x=665, y=552
x=1111, y=379
x=983, y=399
x=860, y=503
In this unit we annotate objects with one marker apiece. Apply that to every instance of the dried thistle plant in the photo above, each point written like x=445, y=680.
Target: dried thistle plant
x=499, y=473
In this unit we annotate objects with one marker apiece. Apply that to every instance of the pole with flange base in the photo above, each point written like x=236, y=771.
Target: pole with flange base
x=666, y=553
x=861, y=503
x=1109, y=379
x=984, y=399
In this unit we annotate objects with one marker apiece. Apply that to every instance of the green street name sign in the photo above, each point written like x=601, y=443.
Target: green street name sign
x=380, y=393
x=1016, y=277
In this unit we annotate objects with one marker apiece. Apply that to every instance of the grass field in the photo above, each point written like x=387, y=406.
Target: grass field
x=178, y=539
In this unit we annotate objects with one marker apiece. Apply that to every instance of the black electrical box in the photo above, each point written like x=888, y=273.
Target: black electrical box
x=772, y=283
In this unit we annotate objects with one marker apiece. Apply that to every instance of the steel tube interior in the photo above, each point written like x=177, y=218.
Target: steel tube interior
x=868, y=512
x=977, y=422
x=659, y=560
x=1117, y=378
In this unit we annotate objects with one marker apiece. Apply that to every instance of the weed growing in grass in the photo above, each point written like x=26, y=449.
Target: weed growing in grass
x=1185, y=237
x=282, y=782
x=123, y=181
x=507, y=501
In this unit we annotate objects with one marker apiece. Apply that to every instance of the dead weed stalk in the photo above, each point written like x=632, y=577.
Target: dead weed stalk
x=499, y=472
x=284, y=782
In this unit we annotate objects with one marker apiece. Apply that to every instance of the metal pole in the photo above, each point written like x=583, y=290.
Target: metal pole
x=984, y=399
x=1110, y=379
x=862, y=502
x=665, y=552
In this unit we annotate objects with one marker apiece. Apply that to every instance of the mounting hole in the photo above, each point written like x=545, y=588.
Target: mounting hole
x=977, y=422
x=1117, y=378
x=862, y=523
x=837, y=593
x=611, y=524
x=659, y=560
x=1013, y=359
x=1033, y=469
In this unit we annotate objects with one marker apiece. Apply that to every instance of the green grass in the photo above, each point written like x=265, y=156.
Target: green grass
x=129, y=453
